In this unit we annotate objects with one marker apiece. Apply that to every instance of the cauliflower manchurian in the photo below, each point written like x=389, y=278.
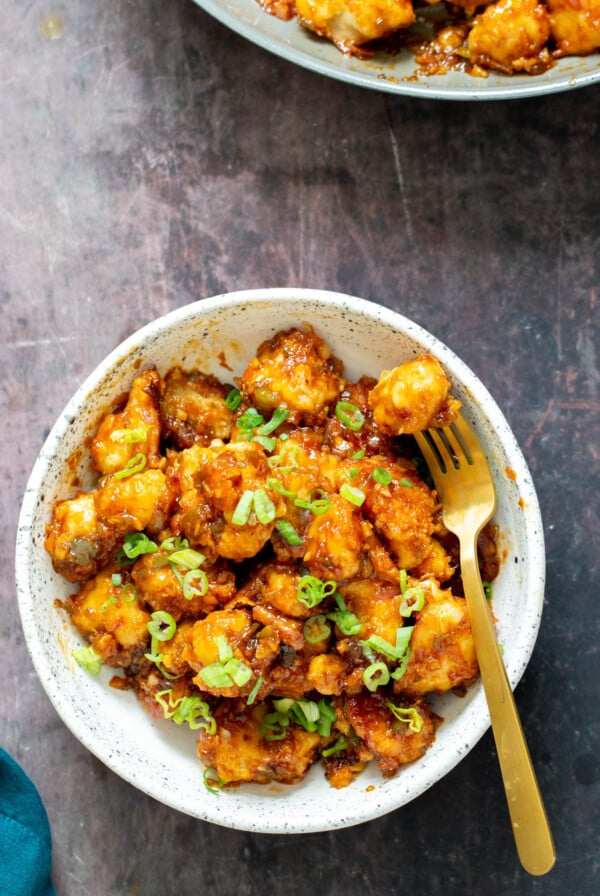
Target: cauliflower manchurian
x=263, y=562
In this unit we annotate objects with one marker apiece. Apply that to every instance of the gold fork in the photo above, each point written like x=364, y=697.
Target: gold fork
x=465, y=487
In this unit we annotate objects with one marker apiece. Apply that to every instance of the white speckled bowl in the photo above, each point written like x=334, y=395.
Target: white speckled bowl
x=156, y=756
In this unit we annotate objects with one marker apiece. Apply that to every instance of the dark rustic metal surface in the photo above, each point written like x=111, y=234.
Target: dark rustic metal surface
x=148, y=158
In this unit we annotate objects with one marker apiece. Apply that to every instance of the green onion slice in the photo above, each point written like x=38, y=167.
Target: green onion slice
x=318, y=502
x=348, y=414
x=233, y=399
x=195, y=584
x=408, y=714
x=193, y=710
x=400, y=669
x=88, y=659
x=175, y=543
x=356, y=496
x=162, y=618
x=340, y=744
x=135, y=465
x=129, y=436
x=287, y=531
x=311, y=591
x=278, y=486
x=376, y=675
x=487, y=590
x=254, y=692
x=274, y=725
x=263, y=507
x=212, y=781
x=279, y=415
x=116, y=579
x=403, y=581
x=382, y=476
x=267, y=443
x=249, y=420
x=413, y=601
x=315, y=629
x=243, y=509
x=406, y=482
x=137, y=543
x=186, y=557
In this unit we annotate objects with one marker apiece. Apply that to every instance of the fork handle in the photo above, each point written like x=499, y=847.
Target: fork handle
x=530, y=826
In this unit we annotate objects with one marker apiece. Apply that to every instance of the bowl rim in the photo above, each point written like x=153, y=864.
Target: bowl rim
x=281, y=296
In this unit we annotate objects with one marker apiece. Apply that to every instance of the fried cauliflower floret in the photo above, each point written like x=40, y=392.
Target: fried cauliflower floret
x=110, y=618
x=276, y=585
x=334, y=542
x=239, y=753
x=327, y=673
x=159, y=585
x=350, y=23
x=222, y=636
x=376, y=605
x=401, y=507
x=210, y=483
x=76, y=542
x=193, y=408
x=442, y=650
x=141, y=501
x=413, y=397
x=510, y=36
x=393, y=742
x=575, y=26
x=134, y=430
x=294, y=370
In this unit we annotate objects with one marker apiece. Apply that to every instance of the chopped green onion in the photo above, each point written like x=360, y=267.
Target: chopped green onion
x=403, y=581
x=315, y=629
x=311, y=591
x=376, y=675
x=326, y=717
x=274, y=725
x=267, y=443
x=318, y=502
x=407, y=714
x=391, y=651
x=129, y=589
x=358, y=455
x=413, y=601
x=233, y=399
x=263, y=507
x=137, y=434
x=187, y=557
x=346, y=621
x=382, y=476
x=356, y=496
x=348, y=414
x=406, y=482
x=249, y=420
x=353, y=471
x=158, y=619
x=242, y=512
x=340, y=744
x=276, y=462
x=254, y=692
x=212, y=781
x=116, y=579
x=175, y=543
x=400, y=669
x=309, y=715
x=137, y=543
x=189, y=589
x=487, y=590
x=113, y=599
x=279, y=415
x=135, y=465
x=226, y=673
x=287, y=531
x=88, y=659
x=278, y=486
x=193, y=710
x=224, y=648
x=403, y=636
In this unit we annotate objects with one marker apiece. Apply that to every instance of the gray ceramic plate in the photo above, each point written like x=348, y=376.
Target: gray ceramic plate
x=389, y=73
x=155, y=755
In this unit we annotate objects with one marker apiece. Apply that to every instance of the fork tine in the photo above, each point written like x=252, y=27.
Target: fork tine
x=447, y=451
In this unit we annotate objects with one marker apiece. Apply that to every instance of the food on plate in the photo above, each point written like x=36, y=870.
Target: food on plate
x=265, y=562
x=506, y=36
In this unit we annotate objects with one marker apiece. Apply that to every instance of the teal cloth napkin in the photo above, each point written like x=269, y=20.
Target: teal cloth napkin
x=25, y=843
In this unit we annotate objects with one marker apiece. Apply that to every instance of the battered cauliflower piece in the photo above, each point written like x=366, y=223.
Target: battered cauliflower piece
x=133, y=431
x=575, y=26
x=393, y=742
x=351, y=23
x=138, y=502
x=109, y=617
x=159, y=585
x=376, y=605
x=413, y=397
x=239, y=753
x=76, y=543
x=510, y=36
x=276, y=584
x=193, y=408
x=294, y=370
x=334, y=541
x=442, y=649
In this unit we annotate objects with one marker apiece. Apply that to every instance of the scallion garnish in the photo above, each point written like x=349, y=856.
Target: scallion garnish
x=129, y=436
x=116, y=579
x=279, y=415
x=406, y=482
x=311, y=591
x=407, y=714
x=195, y=584
x=356, y=496
x=382, y=476
x=135, y=465
x=340, y=744
x=278, y=486
x=263, y=507
x=287, y=531
x=348, y=414
x=266, y=442
x=226, y=673
x=212, y=781
x=193, y=710
x=376, y=675
x=318, y=502
x=135, y=544
x=403, y=581
x=186, y=557
x=233, y=399
x=487, y=590
x=159, y=619
x=274, y=725
x=243, y=509
x=315, y=629
x=346, y=621
x=391, y=651
x=88, y=659
x=250, y=420
x=412, y=602
x=254, y=692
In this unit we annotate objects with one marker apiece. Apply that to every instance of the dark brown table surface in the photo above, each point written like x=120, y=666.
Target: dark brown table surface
x=150, y=157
